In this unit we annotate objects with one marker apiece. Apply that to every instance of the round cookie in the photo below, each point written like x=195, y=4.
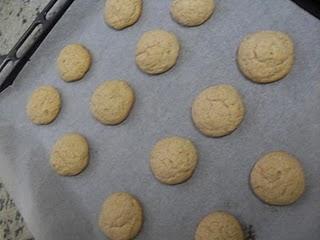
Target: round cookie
x=173, y=160
x=43, y=105
x=73, y=62
x=70, y=154
x=278, y=178
x=266, y=56
x=218, y=110
x=219, y=225
x=121, y=216
x=192, y=12
x=120, y=14
x=112, y=102
x=157, y=51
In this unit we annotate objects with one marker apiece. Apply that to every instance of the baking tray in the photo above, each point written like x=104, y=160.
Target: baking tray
x=312, y=6
x=12, y=63
x=283, y=115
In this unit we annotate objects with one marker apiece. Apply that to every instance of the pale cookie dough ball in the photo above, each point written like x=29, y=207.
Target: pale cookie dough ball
x=121, y=216
x=278, y=178
x=157, y=51
x=192, y=12
x=70, y=154
x=173, y=160
x=218, y=110
x=219, y=225
x=266, y=56
x=73, y=62
x=120, y=14
x=44, y=105
x=112, y=102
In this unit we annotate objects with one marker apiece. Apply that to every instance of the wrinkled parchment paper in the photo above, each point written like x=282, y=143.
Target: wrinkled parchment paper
x=283, y=115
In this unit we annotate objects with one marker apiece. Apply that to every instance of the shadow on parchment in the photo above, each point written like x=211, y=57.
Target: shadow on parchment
x=52, y=212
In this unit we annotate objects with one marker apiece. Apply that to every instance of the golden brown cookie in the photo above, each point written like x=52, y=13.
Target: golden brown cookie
x=121, y=217
x=218, y=110
x=192, y=12
x=70, y=154
x=219, y=226
x=112, y=102
x=278, y=178
x=157, y=51
x=44, y=105
x=266, y=56
x=120, y=14
x=73, y=62
x=173, y=160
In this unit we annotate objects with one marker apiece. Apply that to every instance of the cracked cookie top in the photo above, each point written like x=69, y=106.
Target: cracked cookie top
x=73, y=62
x=218, y=110
x=70, y=154
x=121, y=216
x=44, y=105
x=120, y=14
x=157, y=51
x=266, y=56
x=219, y=226
x=112, y=102
x=192, y=12
x=173, y=160
x=278, y=178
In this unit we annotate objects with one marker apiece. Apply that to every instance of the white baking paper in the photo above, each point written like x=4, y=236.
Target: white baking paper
x=283, y=115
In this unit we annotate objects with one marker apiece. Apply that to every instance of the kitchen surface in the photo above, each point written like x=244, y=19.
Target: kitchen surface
x=12, y=226
x=15, y=17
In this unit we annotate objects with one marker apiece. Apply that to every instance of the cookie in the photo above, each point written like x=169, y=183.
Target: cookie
x=121, y=216
x=120, y=14
x=43, y=105
x=112, y=102
x=70, y=154
x=173, y=160
x=219, y=225
x=192, y=12
x=73, y=62
x=278, y=178
x=157, y=51
x=218, y=110
x=266, y=56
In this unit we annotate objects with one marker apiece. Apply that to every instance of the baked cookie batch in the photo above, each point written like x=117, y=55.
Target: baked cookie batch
x=277, y=178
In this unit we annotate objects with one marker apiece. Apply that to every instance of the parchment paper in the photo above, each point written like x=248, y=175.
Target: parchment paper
x=283, y=115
